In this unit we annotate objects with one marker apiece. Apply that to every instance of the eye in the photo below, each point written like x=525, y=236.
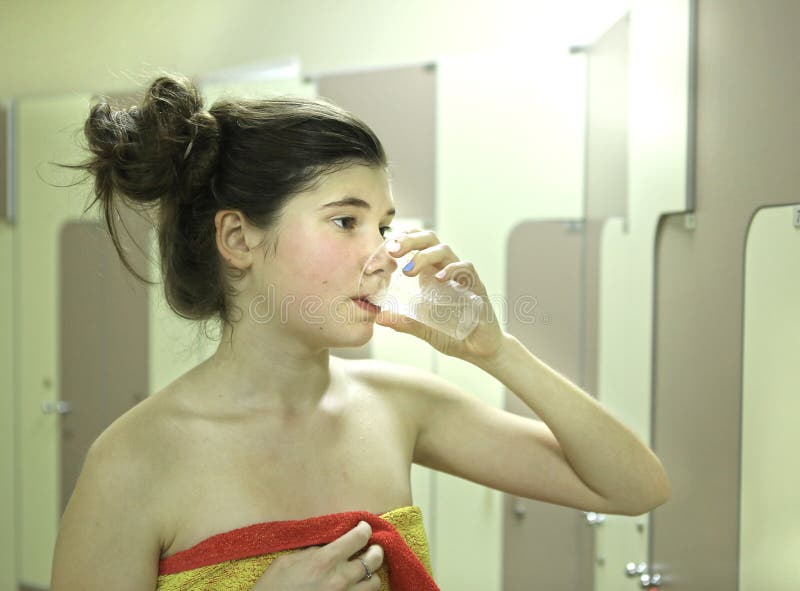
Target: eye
x=349, y=219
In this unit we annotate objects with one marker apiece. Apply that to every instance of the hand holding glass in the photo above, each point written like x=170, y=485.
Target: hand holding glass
x=446, y=306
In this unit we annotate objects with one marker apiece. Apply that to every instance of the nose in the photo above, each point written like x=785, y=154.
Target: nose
x=381, y=262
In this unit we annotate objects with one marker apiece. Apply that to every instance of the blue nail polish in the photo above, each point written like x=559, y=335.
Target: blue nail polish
x=409, y=266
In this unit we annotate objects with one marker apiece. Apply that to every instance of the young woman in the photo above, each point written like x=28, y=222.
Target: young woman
x=256, y=468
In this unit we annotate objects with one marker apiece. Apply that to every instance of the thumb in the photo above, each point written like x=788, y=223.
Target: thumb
x=400, y=323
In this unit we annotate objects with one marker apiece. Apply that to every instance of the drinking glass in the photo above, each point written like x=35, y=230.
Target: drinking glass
x=447, y=306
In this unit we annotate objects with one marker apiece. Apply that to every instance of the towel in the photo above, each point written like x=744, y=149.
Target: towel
x=235, y=560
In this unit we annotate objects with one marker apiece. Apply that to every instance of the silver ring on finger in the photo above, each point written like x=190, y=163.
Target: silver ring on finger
x=366, y=568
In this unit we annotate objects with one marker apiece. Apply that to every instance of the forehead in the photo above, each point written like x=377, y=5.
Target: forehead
x=368, y=183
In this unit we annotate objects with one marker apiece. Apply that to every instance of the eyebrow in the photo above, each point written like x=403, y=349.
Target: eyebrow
x=355, y=202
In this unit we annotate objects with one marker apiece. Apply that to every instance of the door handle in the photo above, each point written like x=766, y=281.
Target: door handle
x=593, y=518
x=632, y=569
x=650, y=581
x=61, y=407
x=647, y=581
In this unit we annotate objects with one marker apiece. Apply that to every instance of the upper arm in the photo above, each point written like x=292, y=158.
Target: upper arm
x=461, y=435
x=108, y=538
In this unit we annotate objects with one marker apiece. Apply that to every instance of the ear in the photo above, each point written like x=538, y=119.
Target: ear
x=232, y=238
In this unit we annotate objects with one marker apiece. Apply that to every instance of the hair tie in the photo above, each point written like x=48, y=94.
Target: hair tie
x=188, y=149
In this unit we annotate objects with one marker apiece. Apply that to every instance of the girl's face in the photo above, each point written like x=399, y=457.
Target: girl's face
x=328, y=253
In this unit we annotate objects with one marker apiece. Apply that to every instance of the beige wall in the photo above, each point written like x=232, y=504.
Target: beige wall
x=75, y=45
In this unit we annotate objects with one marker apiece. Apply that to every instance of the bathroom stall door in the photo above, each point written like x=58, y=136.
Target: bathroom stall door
x=546, y=546
x=103, y=338
x=769, y=541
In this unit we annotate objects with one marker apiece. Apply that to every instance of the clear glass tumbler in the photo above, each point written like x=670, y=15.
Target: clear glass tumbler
x=447, y=306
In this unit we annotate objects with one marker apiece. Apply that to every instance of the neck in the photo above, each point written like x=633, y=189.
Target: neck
x=258, y=370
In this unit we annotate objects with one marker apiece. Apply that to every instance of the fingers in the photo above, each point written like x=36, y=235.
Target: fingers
x=372, y=584
x=464, y=274
x=436, y=257
x=414, y=239
x=332, y=566
x=343, y=547
x=373, y=559
x=400, y=323
x=430, y=251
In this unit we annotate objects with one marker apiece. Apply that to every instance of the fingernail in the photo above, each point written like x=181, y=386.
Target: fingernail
x=409, y=266
x=440, y=274
x=393, y=246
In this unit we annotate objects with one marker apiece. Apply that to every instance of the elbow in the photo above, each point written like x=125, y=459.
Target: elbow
x=658, y=496
x=647, y=507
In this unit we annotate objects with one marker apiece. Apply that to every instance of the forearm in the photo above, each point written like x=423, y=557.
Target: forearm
x=607, y=456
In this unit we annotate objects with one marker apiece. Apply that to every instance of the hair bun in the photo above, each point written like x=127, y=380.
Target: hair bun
x=143, y=152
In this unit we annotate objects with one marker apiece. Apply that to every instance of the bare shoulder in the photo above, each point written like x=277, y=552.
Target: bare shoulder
x=409, y=389
x=383, y=377
x=113, y=512
x=134, y=451
x=414, y=386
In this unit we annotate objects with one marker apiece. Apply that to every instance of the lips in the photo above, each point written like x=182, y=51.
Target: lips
x=376, y=297
x=367, y=299
x=373, y=298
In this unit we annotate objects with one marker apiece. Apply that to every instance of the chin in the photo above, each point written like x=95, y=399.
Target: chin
x=350, y=334
x=357, y=335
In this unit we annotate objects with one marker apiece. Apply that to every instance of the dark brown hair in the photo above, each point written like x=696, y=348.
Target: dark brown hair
x=249, y=155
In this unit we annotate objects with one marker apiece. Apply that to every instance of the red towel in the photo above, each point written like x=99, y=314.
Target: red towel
x=406, y=572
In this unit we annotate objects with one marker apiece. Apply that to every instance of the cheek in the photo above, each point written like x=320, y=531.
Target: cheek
x=310, y=262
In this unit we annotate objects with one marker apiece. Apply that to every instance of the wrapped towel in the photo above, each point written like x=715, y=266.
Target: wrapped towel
x=235, y=560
